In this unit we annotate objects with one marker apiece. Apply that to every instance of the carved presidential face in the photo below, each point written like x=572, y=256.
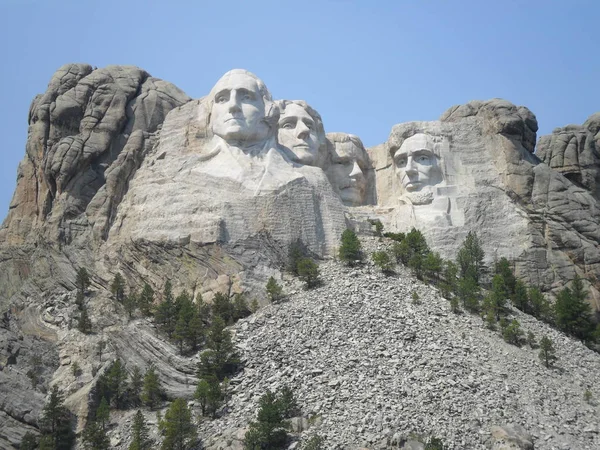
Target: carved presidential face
x=298, y=133
x=238, y=110
x=416, y=164
x=347, y=171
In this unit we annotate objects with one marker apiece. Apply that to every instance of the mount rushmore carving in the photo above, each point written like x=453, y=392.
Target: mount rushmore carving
x=125, y=172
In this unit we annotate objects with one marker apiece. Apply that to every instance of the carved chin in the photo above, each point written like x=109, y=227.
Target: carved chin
x=351, y=196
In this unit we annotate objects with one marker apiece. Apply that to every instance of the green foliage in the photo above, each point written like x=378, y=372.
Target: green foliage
x=103, y=413
x=468, y=293
x=587, y=396
x=210, y=395
x=287, y=403
x=139, y=433
x=539, y=306
x=531, y=341
x=308, y=271
x=382, y=260
x=75, y=369
x=547, y=353
x=573, y=313
x=116, y=381
x=130, y=302
x=55, y=423
x=434, y=443
x=448, y=286
x=136, y=383
x=296, y=252
x=178, y=428
x=165, y=311
x=117, y=287
x=220, y=358
x=432, y=266
x=398, y=237
x=316, y=442
x=520, y=297
x=416, y=299
x=29, y=442
x=240, y=307
x=378, y=226
x=350, y=248
x=84, y=324
x=94, y=437
x=274, y=291
x=269, y=429
x=503, y=269
x=82, y=280
x=223, y=308
x=146, y=299
x=454, y=305
x=151, y=391
x=496, y=300
x=470, y=258
x=513, y=333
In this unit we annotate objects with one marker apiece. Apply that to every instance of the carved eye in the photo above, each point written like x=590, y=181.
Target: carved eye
x=247, y=97
x=401, y=162
x=287, y=126
x=423, y=159
x=221, y=99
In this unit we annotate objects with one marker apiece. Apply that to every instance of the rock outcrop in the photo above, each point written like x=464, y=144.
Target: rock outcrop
x=574, y=151
x=493, y=184
x=124, y=173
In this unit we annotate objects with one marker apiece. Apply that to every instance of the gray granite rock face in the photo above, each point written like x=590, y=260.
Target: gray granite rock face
x=490, y=183
x=574, y=151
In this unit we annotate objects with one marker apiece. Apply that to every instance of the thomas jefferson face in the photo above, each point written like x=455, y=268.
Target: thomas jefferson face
x=416, y=164
x=298, y=133
x=238, y=110
x=347, y=172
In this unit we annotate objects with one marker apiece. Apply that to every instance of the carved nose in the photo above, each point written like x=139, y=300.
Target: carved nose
x=302, y=131
x=410, y=166
x=356, y=171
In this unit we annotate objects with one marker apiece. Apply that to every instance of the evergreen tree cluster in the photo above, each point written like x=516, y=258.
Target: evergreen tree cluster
x=269, y=430
x=302, y=266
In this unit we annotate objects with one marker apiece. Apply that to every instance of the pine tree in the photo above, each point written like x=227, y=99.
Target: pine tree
x=140, y=434
x=223, y=308
x=151, y=391
x=470, y=257
x=350, y=248
x=496, y=300
x=146, y=299
x=449, y=283
x=503, y=269
x=117, y=287
x=519, y=296
x=296, y=252
x=269, y=429
x=181, y=330
x=82, y=280
x=29, y=442
x=573, y=313
x=178, y=428
x=84, y=323
x=547, y=352
x=210, y=395
x=308, y=271
x=55, y=423
x=220, y=358
x=129, y=303
x=432, y=266
x=165, y=312
x=382, y=260
x=274, y=291
x=513, y=333
x=538, y=304
x=103, y=413
x=94, y=437
x=240, y=307
x=116, y=378
x=287, y=402
x=468, y=292
x=136, y=383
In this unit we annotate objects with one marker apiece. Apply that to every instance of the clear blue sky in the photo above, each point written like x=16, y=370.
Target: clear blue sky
x=364, y=65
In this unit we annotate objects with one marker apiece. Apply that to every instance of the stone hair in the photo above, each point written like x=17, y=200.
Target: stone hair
x=282, y=104
x=407, y=133
x=344, y=137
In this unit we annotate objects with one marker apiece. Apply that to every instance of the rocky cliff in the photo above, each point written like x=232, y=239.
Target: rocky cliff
x=124, y=173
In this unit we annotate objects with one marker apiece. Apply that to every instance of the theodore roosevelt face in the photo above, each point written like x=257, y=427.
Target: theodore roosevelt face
x=238, y=110
x=347, y=171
